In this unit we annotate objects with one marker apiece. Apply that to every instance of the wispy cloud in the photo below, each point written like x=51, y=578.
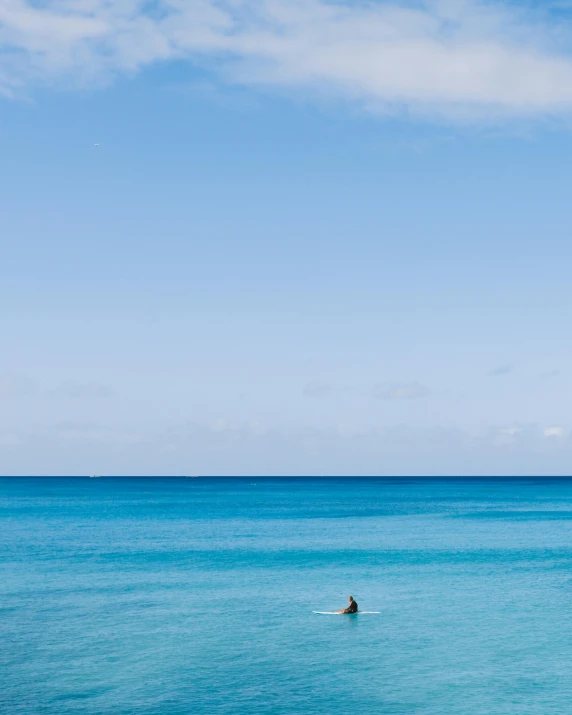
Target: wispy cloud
x=458, y=59
x=408, y=391
x=81, y=391
x=316, y=389
x=509, y=435
x=501, y=370
x=16, y=386
x=190, y=448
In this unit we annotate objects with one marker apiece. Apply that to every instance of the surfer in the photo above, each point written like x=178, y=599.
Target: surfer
x=352, y=608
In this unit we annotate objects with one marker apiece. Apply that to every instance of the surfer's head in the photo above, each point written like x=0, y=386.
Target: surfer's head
x=350, y=598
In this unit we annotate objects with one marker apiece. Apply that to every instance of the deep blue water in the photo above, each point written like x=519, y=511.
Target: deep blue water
x=196, y=596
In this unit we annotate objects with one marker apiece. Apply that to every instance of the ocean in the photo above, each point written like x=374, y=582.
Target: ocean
x=195, y=596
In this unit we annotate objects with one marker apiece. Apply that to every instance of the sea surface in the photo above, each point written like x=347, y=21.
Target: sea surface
x=168, y=596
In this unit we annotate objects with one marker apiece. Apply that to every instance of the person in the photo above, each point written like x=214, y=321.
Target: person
x=352, y=608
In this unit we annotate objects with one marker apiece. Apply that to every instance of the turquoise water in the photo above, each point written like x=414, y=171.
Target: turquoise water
x=196, y=596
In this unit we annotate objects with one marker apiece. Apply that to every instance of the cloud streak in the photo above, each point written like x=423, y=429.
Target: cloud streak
x=316, y=389
x=16, y=386
x=502, y=370
x=457, y=58
x=408, y=391
x=81, y=391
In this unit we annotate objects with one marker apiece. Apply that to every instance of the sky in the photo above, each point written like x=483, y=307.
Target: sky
x=284, y=237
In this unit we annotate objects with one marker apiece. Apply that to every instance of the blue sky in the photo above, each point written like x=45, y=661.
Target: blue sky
x=315, y=238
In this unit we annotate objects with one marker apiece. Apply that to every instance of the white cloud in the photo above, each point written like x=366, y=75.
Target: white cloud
x=510, y=435
x=511, y=431
x=525, y=435
x=454, y=57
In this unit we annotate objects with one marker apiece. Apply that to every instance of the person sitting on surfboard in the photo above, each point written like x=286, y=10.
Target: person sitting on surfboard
x=352, y=608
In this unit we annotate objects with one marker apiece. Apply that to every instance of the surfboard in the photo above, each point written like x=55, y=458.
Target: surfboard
x=335, y=613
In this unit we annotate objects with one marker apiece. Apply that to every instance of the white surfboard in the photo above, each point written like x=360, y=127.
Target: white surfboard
x=336, y=613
